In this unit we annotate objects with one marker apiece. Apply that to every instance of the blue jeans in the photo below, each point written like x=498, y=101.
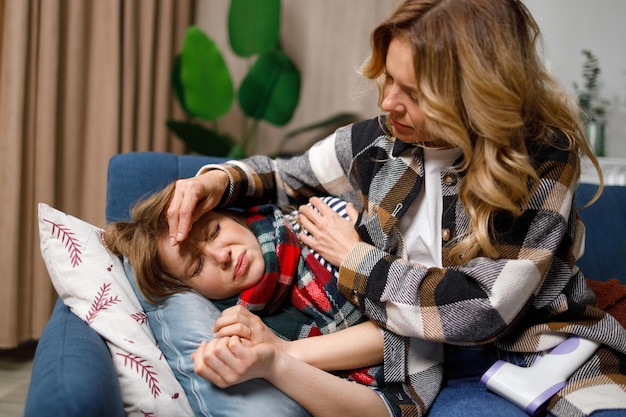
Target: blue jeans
x=463, y=395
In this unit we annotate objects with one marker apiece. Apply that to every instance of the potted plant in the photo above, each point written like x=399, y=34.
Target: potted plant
x=592, y=107
x=269, y=92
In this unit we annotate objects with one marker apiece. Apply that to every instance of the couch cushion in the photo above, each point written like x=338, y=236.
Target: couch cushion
x=74, y=357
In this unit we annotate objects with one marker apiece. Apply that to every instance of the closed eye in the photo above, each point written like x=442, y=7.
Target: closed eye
x=197, y=269
x=215, y=231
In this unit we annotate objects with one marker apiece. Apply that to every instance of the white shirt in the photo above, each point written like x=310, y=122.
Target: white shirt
x=421, y=224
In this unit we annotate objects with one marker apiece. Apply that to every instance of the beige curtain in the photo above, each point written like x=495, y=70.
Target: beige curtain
x=80, y=80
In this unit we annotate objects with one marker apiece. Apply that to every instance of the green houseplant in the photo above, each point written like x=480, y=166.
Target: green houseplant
x=269, y=92
x=592, y=107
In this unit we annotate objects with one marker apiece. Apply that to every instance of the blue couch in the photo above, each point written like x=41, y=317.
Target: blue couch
x=73, y=374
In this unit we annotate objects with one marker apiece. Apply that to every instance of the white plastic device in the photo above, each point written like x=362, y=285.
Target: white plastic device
x=531, y=387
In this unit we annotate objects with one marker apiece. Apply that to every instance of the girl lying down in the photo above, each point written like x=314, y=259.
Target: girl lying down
x=252, y=261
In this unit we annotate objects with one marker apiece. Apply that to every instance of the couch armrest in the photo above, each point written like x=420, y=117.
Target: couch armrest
x=73, y=374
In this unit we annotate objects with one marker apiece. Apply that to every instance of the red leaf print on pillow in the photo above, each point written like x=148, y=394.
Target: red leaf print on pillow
x=66, y=236
x=101, y=302
x=140, y=317
x=100, y=234
x=139, y=364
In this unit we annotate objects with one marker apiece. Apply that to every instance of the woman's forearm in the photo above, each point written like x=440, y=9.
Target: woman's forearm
x=355, y=347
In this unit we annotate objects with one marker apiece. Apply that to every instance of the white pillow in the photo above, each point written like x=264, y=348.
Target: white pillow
x=92, y=283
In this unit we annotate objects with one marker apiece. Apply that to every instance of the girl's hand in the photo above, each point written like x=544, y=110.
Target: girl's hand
x=191, y=199
x=231, y=360
x=331, y=235
x=240, y=322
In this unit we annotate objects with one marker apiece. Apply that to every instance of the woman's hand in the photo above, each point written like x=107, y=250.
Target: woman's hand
x=330, y=235
x=238, y=321
x=191, y=199
x=231, y=360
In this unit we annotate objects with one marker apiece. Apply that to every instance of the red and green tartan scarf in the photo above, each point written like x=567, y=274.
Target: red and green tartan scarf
x=297, y=296
x=281, y=252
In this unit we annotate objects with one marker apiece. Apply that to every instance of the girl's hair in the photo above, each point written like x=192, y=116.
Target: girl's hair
x=482, y=87
x=138, y=239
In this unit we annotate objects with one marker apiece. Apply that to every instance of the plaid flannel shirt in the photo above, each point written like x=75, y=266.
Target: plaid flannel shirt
x=529, y=300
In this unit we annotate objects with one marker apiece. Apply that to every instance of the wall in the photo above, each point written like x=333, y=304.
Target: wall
x=329, y=39
x=572, y=25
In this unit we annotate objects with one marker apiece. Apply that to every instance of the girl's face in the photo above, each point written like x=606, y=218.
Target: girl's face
x=220, y=258
x=400, y=94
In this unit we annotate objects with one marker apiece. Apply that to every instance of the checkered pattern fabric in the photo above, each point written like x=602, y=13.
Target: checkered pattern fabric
x=528, y=300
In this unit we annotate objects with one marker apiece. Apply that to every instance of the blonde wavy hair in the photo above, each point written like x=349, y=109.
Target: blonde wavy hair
x=483, y=87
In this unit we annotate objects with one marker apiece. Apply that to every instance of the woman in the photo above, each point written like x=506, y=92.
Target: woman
x=480, y=207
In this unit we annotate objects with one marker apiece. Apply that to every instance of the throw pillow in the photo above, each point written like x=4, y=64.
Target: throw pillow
x=611, y=297
x=92, y=283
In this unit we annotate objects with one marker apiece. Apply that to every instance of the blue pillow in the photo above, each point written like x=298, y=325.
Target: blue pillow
x=179, y=326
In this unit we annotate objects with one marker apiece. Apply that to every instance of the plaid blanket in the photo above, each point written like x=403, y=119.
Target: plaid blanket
x=297, y=296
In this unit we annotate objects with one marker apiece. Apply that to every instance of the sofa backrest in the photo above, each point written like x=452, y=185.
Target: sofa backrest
x=134, y=175
x=605, y=223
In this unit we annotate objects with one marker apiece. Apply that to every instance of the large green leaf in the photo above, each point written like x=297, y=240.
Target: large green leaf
x=331, y=123
x=202, y=140
x=236, y=152
x=324, y=127
x=207, y=84
x=177, y=85
x=271, y=89
x=253, y=26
